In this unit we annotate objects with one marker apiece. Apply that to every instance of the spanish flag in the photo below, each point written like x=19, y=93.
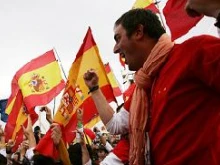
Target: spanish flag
x=40, y=80
x=146, y=4
x=36, y=83
x=16, y=118
x=14, y=92
x=76, y=92
x=15, y=108
x=113, y=81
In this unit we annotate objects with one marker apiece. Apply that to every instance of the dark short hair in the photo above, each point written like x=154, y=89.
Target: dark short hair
x=37, y=129
x=39, y=159
x=3, y=160
x=75, y=153
x=102, y=148
x=135, y=17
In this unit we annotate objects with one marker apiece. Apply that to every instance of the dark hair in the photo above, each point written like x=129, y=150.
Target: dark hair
x=3, y=160
x=102, y=148
x=95, y=129
x=25, y=161
x=75, y=154
x=37, y=129
x=39, y=159
x=135, y=17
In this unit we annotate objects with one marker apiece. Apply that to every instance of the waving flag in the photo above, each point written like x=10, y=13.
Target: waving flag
x=40, y=80
x=76, y=92
x=14, y=92
x=113, y=81
x=36, y=83
x=16, y=118
x=177, y=19
x=146, y=4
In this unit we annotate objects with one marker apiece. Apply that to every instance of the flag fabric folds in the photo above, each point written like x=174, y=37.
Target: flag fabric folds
x=177, y=19
x=46, y=147
x=4, y=116
x=113, y=81
x=40, y=80
x=146, y=4
x=36, y=83
x=76, y=92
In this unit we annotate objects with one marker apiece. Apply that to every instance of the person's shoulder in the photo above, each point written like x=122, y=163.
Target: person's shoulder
x=201, y=38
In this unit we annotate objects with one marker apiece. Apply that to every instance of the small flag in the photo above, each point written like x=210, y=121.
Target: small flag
x=113, y=81
x=146, y=4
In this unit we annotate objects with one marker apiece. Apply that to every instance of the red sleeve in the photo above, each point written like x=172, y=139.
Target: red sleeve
x=205, y=60
x=121, y=150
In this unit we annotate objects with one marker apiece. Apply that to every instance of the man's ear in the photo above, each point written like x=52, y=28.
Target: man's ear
x=139, y=33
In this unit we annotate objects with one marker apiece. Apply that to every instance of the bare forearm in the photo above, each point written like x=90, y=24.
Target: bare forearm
x=105, y=110
x=85, y=154
x=32, y=141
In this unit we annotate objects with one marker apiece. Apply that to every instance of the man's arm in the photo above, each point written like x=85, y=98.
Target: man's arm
x=105, y=110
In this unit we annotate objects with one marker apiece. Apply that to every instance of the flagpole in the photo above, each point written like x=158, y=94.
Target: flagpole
x=58, y=58
x=54, y=105
x=161, y=18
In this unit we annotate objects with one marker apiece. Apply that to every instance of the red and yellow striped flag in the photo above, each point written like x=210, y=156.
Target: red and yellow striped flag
x=146, y=4
x=113, y=81
x=16, y=118
x=36, y=83
x=40, y=80
x=76, y=92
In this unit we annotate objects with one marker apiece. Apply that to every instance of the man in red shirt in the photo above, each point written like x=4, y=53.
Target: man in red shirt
x=176, y=98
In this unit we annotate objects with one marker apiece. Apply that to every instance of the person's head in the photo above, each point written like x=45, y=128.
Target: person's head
x=37, y=129
x=96, y=129
x=191, y=7
x=102, y=152
x=75, y=153
x=39, y=159
x=37, y=134
x=136, y=33
x=196, y=8
x=16, y=156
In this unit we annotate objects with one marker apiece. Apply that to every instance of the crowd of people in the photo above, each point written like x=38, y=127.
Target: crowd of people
x=83, y=150
x=172, y=113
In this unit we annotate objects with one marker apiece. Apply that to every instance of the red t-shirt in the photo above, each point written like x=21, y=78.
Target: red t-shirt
x=185, y=123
